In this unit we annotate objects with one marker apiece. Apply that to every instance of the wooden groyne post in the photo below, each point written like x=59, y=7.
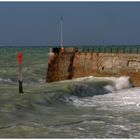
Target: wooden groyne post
x=20, y=72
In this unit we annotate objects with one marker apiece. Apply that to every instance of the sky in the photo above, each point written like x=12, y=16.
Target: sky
x=84, y=23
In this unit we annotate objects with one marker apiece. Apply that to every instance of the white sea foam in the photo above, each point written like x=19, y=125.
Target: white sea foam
x=122, y=83
x=125, y=99
x=6, y=80
x=110, y=88
x=118, y=83
x=121, y=96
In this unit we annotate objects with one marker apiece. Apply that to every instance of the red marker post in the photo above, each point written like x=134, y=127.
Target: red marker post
x=20, y=72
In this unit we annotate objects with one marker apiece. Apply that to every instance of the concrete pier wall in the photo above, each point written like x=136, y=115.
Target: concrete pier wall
x=60, y=66
x=73, y=64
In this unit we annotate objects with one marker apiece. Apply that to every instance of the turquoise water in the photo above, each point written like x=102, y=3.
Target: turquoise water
x=87, y=107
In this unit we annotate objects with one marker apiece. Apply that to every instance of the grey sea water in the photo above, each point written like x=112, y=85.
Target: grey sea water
x=87, y=107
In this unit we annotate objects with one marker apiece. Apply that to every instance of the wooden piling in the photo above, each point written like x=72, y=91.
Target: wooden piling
x=20, y=72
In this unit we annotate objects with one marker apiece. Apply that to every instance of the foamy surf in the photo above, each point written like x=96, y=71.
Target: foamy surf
x=6, y=80
x=121, y=100
x=119, y=83
x=109, y=83
x=64, y=91
x=108, y=93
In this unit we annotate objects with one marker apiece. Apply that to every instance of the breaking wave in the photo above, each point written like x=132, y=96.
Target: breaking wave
x=64, y=91
x=90, y=86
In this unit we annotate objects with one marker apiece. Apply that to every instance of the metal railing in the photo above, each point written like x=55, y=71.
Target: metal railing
x=110, y=49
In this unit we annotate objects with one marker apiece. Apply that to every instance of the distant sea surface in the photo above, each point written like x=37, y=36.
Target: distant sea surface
x=88, y=107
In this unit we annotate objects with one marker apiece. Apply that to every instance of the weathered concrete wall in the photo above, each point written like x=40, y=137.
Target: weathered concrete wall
x=59, y=66
x=107, y=64
x=80, y=64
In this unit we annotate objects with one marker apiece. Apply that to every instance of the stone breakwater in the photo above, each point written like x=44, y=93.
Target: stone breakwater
x=75, y=64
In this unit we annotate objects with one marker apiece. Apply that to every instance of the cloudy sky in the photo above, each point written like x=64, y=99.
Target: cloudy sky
x=84, y=23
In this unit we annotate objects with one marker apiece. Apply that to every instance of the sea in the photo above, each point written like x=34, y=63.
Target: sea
x=87, y=107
